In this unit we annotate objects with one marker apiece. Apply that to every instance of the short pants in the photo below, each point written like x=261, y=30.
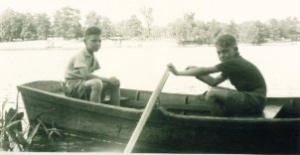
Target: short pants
x=77, y=89
x=242, y=104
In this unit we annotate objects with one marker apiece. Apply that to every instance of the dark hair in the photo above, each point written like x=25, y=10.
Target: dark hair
x=226, y=40
x=92, y=31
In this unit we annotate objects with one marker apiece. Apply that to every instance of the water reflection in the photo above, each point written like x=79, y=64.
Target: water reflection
x=68, y=142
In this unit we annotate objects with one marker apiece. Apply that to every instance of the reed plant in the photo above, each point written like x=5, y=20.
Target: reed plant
x=12, y=137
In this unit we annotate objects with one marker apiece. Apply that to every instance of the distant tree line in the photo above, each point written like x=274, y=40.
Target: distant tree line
x=67, y=23
x=188, y=30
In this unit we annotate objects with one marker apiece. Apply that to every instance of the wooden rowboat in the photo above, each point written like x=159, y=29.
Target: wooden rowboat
x=176, y=125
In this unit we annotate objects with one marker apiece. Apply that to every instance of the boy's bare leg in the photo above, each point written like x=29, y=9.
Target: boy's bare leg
x=216, y=97
x=115, y=95
x=218, y=93
x=96, y=86
x=215, y=109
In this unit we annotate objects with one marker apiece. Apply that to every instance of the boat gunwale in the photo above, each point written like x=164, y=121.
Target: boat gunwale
x=81, y=102
x=166, y=113
x=229, y=119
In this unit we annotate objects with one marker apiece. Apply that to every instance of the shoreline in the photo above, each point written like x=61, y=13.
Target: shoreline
x=52, y=44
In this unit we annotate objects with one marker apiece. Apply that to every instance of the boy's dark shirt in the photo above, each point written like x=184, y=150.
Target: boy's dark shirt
x=243, y=75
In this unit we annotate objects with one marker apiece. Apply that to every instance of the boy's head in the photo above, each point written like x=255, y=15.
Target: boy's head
x=92, y=38
x=226, y=47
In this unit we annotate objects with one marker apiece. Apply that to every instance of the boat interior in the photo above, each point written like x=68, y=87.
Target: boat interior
x=179, y=103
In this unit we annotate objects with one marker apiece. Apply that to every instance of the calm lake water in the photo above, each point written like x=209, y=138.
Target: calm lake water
x=138, y=65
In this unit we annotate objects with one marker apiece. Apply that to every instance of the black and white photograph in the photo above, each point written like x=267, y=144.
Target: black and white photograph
x=150, y=76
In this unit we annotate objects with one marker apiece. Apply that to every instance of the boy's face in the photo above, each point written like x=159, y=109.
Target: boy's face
x=92, y=42
x=226, y=53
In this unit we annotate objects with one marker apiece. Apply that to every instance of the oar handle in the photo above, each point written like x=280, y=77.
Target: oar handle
x=147, y=111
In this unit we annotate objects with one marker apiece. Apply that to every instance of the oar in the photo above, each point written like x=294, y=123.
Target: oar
x=147, y=111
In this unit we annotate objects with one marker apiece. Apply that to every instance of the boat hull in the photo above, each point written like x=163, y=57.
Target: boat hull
x=165, y=131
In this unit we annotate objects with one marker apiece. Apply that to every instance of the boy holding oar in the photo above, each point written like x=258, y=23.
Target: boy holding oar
x=249, y=97
x=79, y=80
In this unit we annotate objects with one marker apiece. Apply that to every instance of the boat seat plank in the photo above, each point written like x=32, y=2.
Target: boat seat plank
x=122, y=99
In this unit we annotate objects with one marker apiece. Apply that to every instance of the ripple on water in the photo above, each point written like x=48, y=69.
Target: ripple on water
x=74, y=143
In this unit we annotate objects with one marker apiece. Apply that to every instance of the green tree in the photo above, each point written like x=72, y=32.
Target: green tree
x=92, y=19
x=275, y=31
x=182, y=28
x=29, y=30
x=6, y=24
x=189, y=25
x=258, y=33
x=148, y=18
x=160, y=32
x=175, y=28
x=43, y=25
x=11, y=23
x=130, y=28
x=244, y=29
x=290, y=28
x=214, y=29
x=121, y=29
x=232, y=29
x=107, y=27
x=134, y=27
x=202, y=35
x=66, y=23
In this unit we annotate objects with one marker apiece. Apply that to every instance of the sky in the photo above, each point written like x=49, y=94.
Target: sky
x=166, y=11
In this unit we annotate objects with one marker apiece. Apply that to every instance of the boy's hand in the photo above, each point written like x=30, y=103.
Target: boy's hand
x=172, y=69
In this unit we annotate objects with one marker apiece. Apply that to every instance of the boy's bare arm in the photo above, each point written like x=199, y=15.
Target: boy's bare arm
x=88, y=75
x=211, y=81
x=193, y=71
x=85, y=74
